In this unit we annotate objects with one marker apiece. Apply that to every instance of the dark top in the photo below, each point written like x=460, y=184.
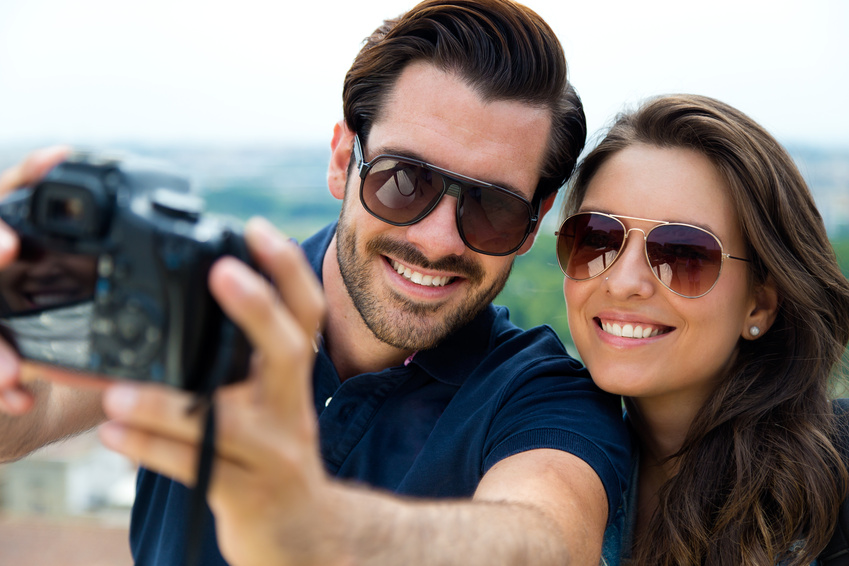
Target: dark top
x=433, y=426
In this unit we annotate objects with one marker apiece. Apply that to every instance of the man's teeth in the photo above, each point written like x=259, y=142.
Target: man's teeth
x=416, y=277
x=629, y=330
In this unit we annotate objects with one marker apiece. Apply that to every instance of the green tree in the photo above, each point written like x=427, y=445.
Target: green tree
x=534, y=292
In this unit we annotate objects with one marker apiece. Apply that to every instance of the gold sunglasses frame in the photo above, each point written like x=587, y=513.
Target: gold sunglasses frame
x=645, y=234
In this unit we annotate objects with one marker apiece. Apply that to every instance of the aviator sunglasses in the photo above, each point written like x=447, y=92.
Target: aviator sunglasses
x=686, y=259
x=401, y=191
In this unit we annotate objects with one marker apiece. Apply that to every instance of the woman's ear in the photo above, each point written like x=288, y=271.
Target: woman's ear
x=765, y=303
x=340, y=157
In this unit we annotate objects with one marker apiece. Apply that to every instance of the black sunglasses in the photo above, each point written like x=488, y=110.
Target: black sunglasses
x=686, y=259
x=401, y=191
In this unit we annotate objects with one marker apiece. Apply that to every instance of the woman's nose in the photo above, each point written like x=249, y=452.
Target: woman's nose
x=630, y=275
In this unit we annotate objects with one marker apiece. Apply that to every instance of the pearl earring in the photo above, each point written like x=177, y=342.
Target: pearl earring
x=754, y=331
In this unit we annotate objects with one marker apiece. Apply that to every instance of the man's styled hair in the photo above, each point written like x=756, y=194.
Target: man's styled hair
x=503, y=50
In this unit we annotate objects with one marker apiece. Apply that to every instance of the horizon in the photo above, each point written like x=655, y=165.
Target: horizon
x=97, y=73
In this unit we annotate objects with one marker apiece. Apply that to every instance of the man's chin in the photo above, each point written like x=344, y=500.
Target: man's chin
x=417, y=327
x=407, y=340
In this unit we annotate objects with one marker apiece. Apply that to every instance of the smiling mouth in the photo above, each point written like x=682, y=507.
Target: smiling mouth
x=419, y=278
x=636, y=331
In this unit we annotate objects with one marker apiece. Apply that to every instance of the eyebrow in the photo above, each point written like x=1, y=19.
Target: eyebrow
x=697, y=224
x=408, y=154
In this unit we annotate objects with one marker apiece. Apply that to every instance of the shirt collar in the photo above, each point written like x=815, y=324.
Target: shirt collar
x=461, y=352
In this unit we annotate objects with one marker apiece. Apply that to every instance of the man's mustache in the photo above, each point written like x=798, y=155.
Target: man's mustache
x=409, y=255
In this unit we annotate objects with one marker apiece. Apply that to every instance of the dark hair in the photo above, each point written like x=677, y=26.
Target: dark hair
x=503, y=50
x=758, y=471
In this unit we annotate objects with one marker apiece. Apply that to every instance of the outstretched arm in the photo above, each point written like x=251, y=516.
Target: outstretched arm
x=34, y=411
x=273, y=501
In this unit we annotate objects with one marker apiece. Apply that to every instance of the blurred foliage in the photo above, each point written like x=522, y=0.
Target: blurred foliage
x=298, y=213
x=534, y=292
x=841, y=249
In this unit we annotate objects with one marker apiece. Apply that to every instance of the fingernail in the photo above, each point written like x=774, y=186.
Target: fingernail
x=9, y=360
x=48, y=157
x=245, y=279
x=269, y=237
x=111, y=434
x=7, y=238
x=120, y=399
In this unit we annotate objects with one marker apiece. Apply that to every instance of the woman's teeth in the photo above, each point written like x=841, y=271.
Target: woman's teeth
x=416, y=277
x=630, y=330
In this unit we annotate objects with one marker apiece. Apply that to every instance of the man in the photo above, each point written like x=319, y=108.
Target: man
x=494, y=443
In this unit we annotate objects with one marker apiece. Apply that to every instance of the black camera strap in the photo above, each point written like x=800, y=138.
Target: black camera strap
x=197, y=504
x=205, y=402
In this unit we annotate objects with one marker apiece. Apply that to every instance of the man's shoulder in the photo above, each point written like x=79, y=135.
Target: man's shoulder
x=315, y=247
x=492, y=344
x=532, y=343
x=530, y=362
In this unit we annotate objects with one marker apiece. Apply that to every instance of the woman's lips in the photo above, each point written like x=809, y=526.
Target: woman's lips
x=631, y=329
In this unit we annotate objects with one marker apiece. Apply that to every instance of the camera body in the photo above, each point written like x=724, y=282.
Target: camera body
x=150, y=248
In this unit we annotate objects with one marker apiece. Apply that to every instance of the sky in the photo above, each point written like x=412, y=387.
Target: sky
x=258, y=71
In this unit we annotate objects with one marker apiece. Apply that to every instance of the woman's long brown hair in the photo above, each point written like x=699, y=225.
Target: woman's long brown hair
x=759, y=480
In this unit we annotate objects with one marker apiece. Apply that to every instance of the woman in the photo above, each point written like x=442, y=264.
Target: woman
x=702, y=287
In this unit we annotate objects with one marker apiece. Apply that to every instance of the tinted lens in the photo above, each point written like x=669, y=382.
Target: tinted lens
x=587, y=244
x=684, y=258
x=400, y=192
x=493, y=221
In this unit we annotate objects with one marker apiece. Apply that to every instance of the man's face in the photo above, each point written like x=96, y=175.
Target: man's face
x=414, y=285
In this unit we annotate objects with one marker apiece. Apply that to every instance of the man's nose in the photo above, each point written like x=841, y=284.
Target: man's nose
x=437, y=235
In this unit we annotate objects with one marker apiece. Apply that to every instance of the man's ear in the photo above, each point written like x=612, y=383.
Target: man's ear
x=764, y=309
x=544, y=207
x=340, y=157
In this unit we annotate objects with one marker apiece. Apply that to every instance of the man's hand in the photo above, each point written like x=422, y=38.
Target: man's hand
x=273, y=501
x=34, y=409
x=15, y=399
x=267, y=475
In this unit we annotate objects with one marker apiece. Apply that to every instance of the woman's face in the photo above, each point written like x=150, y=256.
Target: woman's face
x=696, y=338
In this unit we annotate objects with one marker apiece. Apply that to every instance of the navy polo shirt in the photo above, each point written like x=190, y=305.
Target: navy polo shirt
x=433, y=426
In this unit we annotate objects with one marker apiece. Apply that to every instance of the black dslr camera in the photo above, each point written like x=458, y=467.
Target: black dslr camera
x=112, y=274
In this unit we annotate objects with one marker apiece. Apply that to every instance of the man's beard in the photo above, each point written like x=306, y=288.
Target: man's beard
x=397, y=321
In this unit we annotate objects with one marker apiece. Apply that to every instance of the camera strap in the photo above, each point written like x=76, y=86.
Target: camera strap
x=197, y=504
x=205, y=402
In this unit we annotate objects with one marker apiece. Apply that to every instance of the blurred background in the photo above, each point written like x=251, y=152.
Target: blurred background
x=243, y=97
